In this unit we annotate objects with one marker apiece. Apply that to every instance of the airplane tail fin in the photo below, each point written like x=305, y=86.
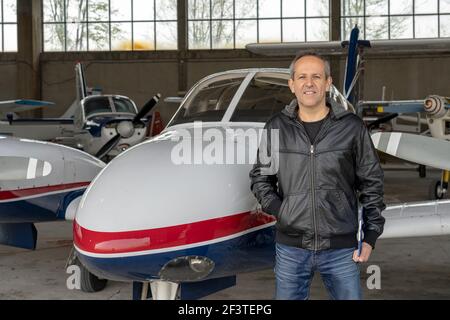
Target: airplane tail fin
x=80, y=81
x=351, y=63
x=81, y=91
x=352, y=67
x=20, y=235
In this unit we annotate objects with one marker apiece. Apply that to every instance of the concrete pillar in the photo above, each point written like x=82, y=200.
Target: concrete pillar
x=335, y=35
x=29, y=34
x=182, y=45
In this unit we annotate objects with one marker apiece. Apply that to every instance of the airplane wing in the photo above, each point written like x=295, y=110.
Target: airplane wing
x=335, y=47
x=434, y=105
x=420, y=219
x=415, y=148
x=292, y=48
x=406, y=106
x=22, y=105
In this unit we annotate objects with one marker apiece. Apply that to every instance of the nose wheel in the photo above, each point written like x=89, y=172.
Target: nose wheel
x=88, y=281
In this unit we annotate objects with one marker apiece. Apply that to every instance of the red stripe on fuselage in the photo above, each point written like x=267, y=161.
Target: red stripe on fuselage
x=167, y=237
x=20, y=193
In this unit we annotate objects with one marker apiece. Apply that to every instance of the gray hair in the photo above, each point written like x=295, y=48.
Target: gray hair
x=311, y=54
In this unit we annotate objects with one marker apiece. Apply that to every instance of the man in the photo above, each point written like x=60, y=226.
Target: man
x=325, y=158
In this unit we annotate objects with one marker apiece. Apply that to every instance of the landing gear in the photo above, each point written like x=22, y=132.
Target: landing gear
x=422, y=171
x=88, y=281
x=438, y=190
x=435, y=190
x=156, y=289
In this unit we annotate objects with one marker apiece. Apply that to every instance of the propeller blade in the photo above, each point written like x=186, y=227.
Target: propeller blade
x=384, y=119
x=108, y=146
x=147, y=107
x=419, y=149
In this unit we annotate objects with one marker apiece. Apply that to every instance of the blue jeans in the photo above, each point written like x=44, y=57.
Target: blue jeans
x=295, y=267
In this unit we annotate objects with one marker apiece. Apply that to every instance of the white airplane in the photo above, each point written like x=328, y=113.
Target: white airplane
x=187, y=229
x=101, y=125
x=39, y=181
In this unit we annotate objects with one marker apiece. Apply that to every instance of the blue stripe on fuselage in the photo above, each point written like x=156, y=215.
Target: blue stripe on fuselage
x=48, y=207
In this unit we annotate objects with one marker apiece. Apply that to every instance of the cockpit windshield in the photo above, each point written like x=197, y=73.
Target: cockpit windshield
x=123, y=105
x=97, y=105
x=267, y=94
x=108, y=104
x=210, y=100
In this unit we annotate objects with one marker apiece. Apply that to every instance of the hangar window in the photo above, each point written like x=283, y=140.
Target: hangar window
x=103, y=25
x=8, y=26
x=396, y=19
x=231, y=24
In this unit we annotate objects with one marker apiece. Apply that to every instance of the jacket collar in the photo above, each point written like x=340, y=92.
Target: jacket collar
x=337, y=111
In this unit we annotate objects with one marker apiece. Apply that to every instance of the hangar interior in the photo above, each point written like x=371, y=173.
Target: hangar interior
x=34, y=73
x=178, y=42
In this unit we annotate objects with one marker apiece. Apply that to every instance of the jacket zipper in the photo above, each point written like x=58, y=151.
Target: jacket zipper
x=313, y=197
x=300, y=125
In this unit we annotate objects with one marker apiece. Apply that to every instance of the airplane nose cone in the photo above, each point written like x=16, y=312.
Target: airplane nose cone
x=125, y=129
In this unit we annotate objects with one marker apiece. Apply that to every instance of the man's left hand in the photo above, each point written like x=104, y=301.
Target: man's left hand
x=366, y=250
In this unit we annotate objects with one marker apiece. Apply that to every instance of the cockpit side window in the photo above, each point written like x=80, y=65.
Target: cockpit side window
x=97, y=105
x=123, y=105
x=266, y=95
x=209, y=101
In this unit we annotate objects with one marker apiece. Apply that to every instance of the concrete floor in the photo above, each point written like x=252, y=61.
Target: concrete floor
x=414, y=268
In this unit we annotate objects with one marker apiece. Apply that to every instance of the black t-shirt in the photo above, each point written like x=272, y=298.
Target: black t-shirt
x=313, y=128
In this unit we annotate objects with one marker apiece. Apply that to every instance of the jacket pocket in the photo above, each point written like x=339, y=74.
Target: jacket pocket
x=294, y=217
x=334, y=214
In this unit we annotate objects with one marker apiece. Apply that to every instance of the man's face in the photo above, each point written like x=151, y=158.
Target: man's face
x=310, y=83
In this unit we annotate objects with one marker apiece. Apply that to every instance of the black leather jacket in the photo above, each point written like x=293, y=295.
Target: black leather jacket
x=313, y=192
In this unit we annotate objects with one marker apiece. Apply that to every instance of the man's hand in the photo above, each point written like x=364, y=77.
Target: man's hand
x=366, y=250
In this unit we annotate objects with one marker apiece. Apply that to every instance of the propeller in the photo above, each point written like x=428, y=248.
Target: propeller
x=147, y=108
x=418, y=149
x=108, y=146
x=125, y=131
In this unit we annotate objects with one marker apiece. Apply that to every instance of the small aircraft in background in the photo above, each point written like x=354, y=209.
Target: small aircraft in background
x=102, y=125
x=39, y=181
x=437, y=111
x=42, y=182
